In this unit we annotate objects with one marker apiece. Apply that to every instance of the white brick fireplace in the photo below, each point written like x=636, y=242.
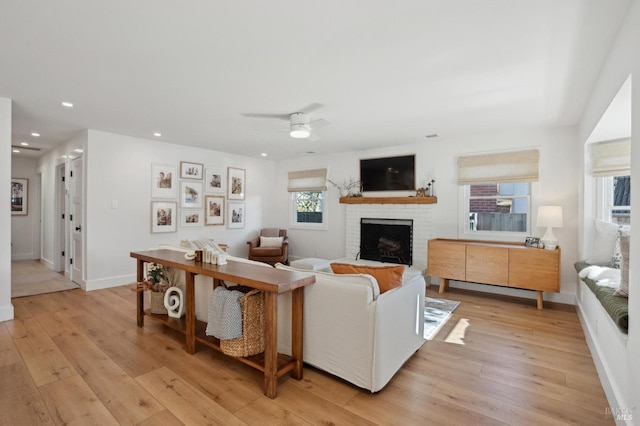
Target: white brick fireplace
x=422, y=215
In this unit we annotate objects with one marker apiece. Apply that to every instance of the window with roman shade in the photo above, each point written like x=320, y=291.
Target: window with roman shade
x=308, y=209
x=497, y=191
x=611, y=158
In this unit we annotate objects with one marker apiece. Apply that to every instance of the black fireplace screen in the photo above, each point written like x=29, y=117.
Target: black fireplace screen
x=387, y=240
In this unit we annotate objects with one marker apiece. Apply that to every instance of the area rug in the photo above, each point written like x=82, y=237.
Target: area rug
x=29, y=278
x=436, y=314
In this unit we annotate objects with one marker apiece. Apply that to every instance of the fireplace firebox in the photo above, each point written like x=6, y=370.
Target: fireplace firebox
x=387, y=240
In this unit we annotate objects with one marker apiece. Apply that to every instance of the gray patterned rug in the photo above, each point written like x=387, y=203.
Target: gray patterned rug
x=436, y=314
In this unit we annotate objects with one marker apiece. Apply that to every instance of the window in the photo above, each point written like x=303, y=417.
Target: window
x=614, y=199
x=308, y=210
x=498, y=207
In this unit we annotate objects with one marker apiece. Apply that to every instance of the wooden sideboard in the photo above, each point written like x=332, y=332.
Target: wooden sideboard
x=497, y=263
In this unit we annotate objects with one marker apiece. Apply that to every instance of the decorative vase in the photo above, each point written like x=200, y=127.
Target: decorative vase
x=174, y=302
x=344, y=192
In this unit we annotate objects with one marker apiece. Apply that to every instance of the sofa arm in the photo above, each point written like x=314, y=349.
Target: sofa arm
x=254, y=243
x=399, y=326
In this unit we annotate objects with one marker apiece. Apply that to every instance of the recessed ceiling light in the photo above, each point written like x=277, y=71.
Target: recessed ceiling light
x=264, y=154
x=64, y=156
x=35, y=134
x=24, y=143
x=78, y=150
x=67, y=104
x=157, y=134
x=17, y=151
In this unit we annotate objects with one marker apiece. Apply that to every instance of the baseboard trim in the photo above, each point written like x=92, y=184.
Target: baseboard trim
x=6, y=313
x=22, y=256
x=91, y=285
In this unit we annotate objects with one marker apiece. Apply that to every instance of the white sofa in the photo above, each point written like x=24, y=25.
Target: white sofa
x=354, y=332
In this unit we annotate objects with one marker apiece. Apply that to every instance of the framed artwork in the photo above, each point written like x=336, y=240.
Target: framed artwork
x=532, y=242
x=19, y=196
x=214, y=181
x=163, y=216
x=235, y=183
x=189, y=218
x=236, y=215
x=190, y=194
x=164, y=181
x=214, y=210
x=191, y=170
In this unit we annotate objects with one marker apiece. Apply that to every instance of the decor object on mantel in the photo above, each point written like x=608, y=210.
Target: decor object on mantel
x=427, y=191
x=388, y=200
x=348, y=187
x=549, y=217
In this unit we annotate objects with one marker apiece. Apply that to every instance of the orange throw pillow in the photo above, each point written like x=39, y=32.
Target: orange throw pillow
x=388, y=277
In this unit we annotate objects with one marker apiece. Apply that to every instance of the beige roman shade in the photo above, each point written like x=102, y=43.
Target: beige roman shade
x=512, y=166
x=611, y=158
x=308, y=180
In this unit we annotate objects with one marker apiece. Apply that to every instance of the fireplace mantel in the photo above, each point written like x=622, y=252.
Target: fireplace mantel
x=388, y=200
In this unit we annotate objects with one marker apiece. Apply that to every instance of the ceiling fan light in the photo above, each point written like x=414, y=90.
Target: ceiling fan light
x=300, y=131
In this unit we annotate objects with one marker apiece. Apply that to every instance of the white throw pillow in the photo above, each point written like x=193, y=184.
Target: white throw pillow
x=603, y=245
x=623, y=290
x=271, y=241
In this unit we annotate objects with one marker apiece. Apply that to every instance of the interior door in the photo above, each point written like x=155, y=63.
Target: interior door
x=77, y=223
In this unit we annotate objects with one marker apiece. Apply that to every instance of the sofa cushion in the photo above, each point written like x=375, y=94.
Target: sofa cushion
x=388, y=277
x=271, y=242
x=365, y=280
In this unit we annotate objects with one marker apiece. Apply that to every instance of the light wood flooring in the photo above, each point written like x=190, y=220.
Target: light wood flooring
x=78, y=358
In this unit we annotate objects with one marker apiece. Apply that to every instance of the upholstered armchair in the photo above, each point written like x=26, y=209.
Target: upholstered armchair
x=272, y=246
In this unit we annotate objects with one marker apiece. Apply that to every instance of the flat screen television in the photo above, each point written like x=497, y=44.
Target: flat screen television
x=388, y=174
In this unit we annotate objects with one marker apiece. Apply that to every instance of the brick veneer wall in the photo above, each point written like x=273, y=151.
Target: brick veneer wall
x=422, y=215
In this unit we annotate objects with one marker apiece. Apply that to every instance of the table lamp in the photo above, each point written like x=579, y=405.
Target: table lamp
x=549, y=217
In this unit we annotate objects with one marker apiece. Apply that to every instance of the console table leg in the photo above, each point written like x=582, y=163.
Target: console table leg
x=539, y=300
x=270, y=343
x=140, y=293
x=297, y=303
x=190, y=313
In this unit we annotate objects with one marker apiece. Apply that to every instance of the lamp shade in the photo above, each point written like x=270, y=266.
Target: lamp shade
x=549, y=217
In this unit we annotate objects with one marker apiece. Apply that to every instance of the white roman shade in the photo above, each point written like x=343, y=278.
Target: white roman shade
x=611, y=158
x=512, y=166
x=308, y=180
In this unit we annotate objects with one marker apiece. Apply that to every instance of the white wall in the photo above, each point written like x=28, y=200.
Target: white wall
x=560, y=160
x=24, y=228
x=6, y=308
x=618, y=365
x=118, y=168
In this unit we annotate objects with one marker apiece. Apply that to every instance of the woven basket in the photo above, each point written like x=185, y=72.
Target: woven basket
x=157, y=303
x=252, y=340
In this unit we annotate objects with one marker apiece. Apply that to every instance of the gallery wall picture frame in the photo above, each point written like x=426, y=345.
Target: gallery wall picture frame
x=164, y=215
x=214, y=210
x=236, y=183
x=214, y=181
x=191, y=218
x=189, y=170
x=236, y=212
x=164, y=181
x=19, y=196
x=191, y=194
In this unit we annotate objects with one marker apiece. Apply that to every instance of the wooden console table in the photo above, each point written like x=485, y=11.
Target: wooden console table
x=271, y=281
x=498, y=263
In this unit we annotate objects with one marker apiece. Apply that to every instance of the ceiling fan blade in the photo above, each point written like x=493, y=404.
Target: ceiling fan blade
x=311, y=107
x=260, y=115
x=313, y=137
x=319, y=123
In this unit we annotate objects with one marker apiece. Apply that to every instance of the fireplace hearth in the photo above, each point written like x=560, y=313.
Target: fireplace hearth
x=386, y=240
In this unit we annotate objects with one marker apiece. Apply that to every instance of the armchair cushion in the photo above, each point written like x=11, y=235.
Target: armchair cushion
x=271, y=241
x=388, y=277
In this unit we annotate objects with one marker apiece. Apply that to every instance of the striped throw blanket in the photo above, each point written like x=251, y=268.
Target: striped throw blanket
x=225, y=314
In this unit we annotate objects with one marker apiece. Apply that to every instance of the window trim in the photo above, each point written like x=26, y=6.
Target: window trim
x=293, y=224
x=604, y=196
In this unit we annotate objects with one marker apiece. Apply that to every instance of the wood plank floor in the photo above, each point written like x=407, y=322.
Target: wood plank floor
x=78, y=358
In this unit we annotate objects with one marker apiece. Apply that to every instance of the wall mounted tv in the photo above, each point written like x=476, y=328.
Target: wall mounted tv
x=388, y=174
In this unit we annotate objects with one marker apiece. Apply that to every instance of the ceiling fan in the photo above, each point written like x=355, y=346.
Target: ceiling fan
x=300, y=124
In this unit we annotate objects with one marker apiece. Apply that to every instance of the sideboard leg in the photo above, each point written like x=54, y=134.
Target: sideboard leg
x=444, y=285
x=539, y=300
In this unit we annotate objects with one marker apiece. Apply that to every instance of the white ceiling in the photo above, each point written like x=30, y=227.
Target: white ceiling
x=383, y=73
